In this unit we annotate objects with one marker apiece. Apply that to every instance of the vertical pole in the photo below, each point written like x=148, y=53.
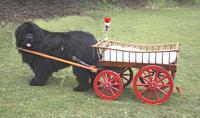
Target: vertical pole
x=107, y=25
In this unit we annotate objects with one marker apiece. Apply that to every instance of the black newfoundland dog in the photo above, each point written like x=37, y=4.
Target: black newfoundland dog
x=64, y=45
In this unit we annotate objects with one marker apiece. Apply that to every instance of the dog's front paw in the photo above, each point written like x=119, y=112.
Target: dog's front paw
x=79, y=89
x=34, y=82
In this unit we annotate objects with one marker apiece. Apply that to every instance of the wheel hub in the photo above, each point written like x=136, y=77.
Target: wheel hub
x=107, y=85
x=153, y=85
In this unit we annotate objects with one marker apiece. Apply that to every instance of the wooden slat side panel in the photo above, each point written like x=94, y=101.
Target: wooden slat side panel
x=171, y=67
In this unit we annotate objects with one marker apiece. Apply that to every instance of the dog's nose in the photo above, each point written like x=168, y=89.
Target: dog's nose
x=28, y=45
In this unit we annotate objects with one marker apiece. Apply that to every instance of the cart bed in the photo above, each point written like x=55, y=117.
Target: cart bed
x=137, y=55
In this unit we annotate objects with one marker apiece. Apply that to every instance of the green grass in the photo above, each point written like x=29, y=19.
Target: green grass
x=57, y=99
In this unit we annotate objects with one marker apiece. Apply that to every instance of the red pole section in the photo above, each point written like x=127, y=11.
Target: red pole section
x=91, y=68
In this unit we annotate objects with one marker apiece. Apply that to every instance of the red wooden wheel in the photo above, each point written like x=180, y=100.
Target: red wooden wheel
x=126, y=76
x=151, y=90
x=108, y=85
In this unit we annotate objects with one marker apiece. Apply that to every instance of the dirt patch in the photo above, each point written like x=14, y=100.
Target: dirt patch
x=20, y=10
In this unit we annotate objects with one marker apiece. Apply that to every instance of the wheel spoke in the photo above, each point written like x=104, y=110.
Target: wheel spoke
x=100, y=82
x=114, y=88
x=109, y=78
x=160, y=76
x=156, y=76
x=144, y=79
x=112, y=80
x=125, y=78
x=141, y=84
x=104, y=78
x=141, y=80
x=124, y=70
x=150, y=76
x=115, y=84
x=161, y=91
x=163, y=85
x=103, y=89
x=144, y=90
x=107, y=92
x=145, y=74
x=150, y=73
x=156, y=95
x=161, y=80
x=126, y=74
x=149, y=94
x=112, y=92
x=100, y=86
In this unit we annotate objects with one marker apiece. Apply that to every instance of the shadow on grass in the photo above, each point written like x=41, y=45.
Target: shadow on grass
x=127, y=95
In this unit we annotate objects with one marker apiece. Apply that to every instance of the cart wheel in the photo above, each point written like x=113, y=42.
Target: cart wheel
x=151, y=91
x=127, y=76
x=108, y=85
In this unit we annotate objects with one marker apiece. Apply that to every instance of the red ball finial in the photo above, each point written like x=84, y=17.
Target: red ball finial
x=107, y=20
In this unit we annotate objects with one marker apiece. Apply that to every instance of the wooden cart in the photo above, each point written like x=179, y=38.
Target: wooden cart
x=152, y=84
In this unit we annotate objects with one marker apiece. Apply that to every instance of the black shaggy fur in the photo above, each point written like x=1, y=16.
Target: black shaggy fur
x=64, y=45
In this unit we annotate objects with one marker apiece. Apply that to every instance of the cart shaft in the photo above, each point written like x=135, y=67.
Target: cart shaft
x=91, y=68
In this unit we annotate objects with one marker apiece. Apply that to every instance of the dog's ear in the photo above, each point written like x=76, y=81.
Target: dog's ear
x=20, y=30
x=18, y=34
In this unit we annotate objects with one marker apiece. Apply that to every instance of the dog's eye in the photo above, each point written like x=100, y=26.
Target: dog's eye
x=29, y=36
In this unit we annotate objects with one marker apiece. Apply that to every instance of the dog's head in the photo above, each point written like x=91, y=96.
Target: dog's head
x=28, y=35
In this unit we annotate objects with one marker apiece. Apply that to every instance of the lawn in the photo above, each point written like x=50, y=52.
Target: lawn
x=57, y=99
